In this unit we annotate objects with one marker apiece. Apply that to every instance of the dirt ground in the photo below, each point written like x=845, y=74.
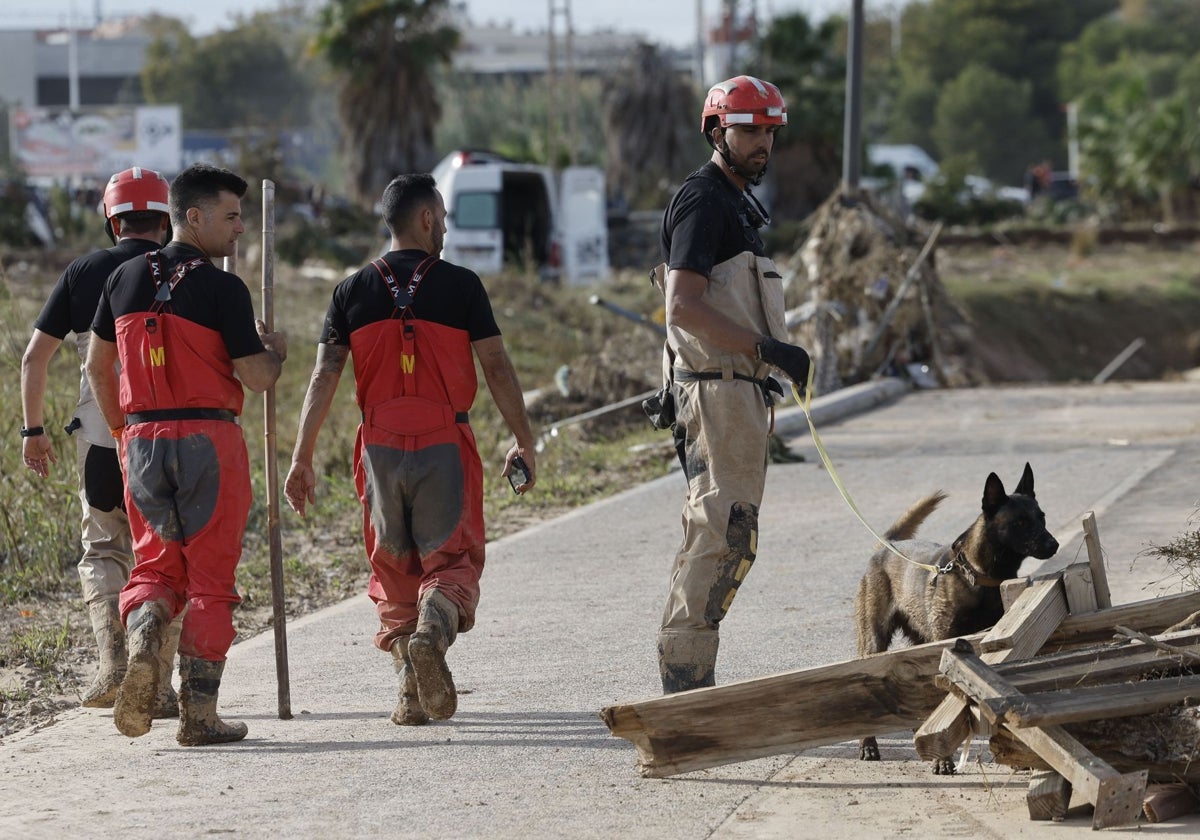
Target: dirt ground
x=980, y=279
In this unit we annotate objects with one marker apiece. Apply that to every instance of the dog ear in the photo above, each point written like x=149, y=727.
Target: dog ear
x=994, y=496
x=1025, y=488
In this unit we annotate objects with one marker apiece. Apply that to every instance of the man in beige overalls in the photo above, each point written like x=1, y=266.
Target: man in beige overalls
x=725, y=330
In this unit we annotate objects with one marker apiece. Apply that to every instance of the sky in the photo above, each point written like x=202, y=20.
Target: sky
x=664, y=21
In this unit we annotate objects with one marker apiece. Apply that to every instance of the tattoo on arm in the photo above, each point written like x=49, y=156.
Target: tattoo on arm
x=331, y=358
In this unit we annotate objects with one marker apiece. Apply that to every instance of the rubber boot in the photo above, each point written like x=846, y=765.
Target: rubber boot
x=166, y=701
x=687, y=659
x=199, y=682
x=437, y=626
x=408, y=708
x=110, y=641
x=145, y=627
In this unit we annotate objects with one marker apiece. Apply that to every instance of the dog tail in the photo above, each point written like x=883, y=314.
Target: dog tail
x=905, y=528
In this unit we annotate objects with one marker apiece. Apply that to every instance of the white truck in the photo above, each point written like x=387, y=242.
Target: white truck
x=499, y=211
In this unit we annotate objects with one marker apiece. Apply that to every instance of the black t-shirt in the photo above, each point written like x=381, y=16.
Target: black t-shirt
x=448, y=294
x=207, y=295
x=706, y=223
x=73, y=300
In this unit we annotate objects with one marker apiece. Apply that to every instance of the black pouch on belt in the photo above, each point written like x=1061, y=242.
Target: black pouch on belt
x=660, y=408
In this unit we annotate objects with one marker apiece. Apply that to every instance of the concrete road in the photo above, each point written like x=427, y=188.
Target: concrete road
x=567, y=626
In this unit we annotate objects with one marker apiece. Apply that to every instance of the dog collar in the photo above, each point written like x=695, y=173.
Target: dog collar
x=973, y=577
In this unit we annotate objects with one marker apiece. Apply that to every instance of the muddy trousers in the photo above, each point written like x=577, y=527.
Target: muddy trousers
x=107, y=546
x=188, y=499
x=723, y=430
x=422, y=528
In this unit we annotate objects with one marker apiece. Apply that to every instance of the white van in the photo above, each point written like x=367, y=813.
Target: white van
x=499, y=211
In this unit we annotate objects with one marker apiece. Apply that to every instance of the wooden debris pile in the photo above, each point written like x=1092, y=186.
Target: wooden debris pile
x=1112, y=721
x=875, y=303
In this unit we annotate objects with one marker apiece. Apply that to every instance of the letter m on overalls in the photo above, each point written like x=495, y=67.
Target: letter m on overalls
x=157, y=356
x=408, y=362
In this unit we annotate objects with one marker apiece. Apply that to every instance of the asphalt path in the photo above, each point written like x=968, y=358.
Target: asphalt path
x=567, y=625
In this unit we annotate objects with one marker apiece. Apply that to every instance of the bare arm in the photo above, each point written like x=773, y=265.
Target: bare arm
x=300, y=488
x=686, y=310
x=102, y=376
x=38, y=451
x=259, y=372
x=501, y=378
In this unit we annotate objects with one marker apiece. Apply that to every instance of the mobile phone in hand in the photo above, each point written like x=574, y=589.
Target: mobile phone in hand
x=519, y=474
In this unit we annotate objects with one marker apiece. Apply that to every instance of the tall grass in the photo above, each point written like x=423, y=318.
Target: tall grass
x=544, y=328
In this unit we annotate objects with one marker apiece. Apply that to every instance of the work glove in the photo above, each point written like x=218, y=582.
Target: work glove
x=789, y=358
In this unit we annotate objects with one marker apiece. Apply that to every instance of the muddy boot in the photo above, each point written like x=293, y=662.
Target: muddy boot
x=199, y=680
x=687, y=659
x=437, y=626
x=145, y=627
x=166, y=701
x=408, y=708
x=110, y=640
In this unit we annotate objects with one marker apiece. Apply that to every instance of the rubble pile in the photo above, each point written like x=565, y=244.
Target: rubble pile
x=857, y=260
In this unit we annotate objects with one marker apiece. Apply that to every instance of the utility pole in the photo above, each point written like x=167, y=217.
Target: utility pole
x=698, y=65
x=852, y=141
x=560, y=15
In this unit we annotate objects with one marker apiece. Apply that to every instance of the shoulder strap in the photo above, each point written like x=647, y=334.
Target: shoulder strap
x=163, y=287
x=403, y=298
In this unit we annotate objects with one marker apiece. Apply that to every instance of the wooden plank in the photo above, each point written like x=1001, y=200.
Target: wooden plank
x=1010, y=590
x=1080, y=592
x=1049, y=796
x=1091, y=538
x=1094, y=666
x=693, y=730
x=1150, y=616
x=1117, y=797
x=799, y=710
x=1166, y=801
x=1035, y=615
x=1091, y=703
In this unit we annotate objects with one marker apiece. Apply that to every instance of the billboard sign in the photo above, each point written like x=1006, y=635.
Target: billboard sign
x=96, y=142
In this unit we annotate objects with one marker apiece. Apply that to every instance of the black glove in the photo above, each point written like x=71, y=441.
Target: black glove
x=789, y=358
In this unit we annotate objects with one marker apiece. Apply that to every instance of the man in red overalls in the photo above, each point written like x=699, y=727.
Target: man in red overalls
x=412, y=321
x=185, y=334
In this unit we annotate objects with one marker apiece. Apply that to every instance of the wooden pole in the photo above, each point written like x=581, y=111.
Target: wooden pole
x=273, y=532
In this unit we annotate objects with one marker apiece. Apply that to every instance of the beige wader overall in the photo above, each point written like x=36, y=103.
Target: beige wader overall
x=724, y=423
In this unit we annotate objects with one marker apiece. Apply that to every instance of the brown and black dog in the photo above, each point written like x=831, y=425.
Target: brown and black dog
x=963, y=596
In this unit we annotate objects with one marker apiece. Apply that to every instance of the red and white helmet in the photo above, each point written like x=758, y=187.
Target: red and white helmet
x=135, y=189
x=744, y=100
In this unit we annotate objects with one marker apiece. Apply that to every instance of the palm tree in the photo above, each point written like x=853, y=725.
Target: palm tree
x=383, y=52
x=651, y=128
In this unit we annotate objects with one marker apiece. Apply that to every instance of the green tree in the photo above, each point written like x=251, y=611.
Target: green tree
x=238, y=78
x=1019, y=39
x=985, y=116
x=385, y=53
x=809, y=68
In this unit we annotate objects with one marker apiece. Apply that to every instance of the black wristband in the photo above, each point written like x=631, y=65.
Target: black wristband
x=34, y=431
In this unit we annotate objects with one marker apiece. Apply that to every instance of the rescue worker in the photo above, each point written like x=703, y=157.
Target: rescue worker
x=725, y=331
x=185, y=335
x=136, y=220
x=411, y=321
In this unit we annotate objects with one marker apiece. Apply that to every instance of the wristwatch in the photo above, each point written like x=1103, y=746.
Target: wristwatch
x=32, y=431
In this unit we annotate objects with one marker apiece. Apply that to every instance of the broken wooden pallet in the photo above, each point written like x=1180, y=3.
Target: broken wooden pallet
x=829, y=704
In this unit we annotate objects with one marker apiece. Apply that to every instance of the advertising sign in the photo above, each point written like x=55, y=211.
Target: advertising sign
x=96, y=142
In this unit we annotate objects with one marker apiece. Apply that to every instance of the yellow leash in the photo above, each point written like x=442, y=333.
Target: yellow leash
x=805, y=403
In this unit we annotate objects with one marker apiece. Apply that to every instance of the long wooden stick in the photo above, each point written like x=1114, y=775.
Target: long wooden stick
x=274, y=537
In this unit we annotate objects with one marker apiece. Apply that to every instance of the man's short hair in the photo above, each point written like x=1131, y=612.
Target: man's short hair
x=140, y=221
x=404, y=196
x=199, y=186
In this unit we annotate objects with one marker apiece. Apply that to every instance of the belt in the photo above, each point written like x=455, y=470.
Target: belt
x=459, y=416
x=767, y=385
x=160, y=414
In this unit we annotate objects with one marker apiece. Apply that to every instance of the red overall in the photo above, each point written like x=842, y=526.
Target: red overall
x=417, y=469
x=188, y=480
